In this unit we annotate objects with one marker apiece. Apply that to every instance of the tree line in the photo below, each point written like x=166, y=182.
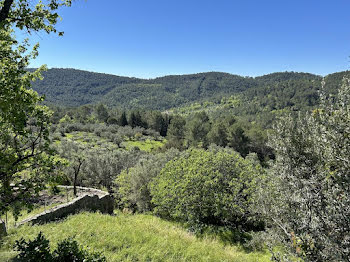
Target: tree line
x=181, y=132
x=70, y=87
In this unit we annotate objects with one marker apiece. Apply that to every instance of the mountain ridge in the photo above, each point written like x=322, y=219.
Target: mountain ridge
x=74, y=87
x=186, y=74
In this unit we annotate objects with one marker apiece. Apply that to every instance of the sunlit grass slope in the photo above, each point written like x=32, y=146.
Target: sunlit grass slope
x=147, y=145
x=132, y=238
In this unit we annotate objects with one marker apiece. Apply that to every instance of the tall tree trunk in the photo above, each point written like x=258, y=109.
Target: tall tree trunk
x=76, y=173
x=75, y=183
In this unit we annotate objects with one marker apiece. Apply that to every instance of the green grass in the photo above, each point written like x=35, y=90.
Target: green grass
x=11, y=222
x=208, y=106
x=37, y=209
x=94, y=141
x=90, y=139
x=126, y=237
x=147, y=145
x=69, y=135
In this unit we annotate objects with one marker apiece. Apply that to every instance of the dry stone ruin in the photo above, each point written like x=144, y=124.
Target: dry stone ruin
x=93, y=200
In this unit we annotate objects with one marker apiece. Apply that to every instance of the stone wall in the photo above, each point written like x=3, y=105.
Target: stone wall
x=94, y=200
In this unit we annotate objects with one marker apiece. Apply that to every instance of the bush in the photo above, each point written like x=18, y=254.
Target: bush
x=205, y=188
x=133, y=184
x=67, y=250
x=35, y=250
x=54, y=189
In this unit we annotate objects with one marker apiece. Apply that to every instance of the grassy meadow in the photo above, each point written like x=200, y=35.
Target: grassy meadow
x=126, y=237
x=148, y=145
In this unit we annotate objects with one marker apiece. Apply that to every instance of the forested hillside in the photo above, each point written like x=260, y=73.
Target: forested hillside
x=71, y=87
x=295, y=91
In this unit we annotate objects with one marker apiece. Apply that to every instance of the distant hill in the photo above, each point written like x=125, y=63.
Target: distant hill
x=71, y=87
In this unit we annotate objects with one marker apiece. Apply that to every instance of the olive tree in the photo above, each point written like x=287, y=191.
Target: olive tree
x=103, y=166
x=75, y=153
x=311, y=187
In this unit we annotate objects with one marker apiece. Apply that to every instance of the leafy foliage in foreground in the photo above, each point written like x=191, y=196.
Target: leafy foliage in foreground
x=67, y=250
x=309, y=202
x=24, y=127
x=25, y=158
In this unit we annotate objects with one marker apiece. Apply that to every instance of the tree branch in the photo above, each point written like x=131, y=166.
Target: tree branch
x=5, y=10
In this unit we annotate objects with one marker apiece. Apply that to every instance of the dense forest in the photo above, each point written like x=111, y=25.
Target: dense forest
x=258, y=99
x=71, y=87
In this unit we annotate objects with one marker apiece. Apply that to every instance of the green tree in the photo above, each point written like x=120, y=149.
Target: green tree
x=76, y=155
x=102, y=113
x=133, y=184
x=122, y=121
x=158, y=123
x=102, y=166
x=204, y=188
x=176, y=132
x=39, y=17
x=258, y=143
x=238, y=140
x=198, y=129
x=218, y=134
x=112, y=121
x=135, y=119
x=82, y=113
x=311, y=186
x=25, y=156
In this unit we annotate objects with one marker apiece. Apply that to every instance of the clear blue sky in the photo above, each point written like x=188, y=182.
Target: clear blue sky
x=149, y=38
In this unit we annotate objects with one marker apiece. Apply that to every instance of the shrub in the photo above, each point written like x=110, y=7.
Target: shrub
x=208, y=188
x=33, y=251
x=117, y=139
x=133, y=184
x=54, y=189
x=67, y=250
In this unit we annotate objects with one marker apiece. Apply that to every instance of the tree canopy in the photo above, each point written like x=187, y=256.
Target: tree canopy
x=25, y=155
